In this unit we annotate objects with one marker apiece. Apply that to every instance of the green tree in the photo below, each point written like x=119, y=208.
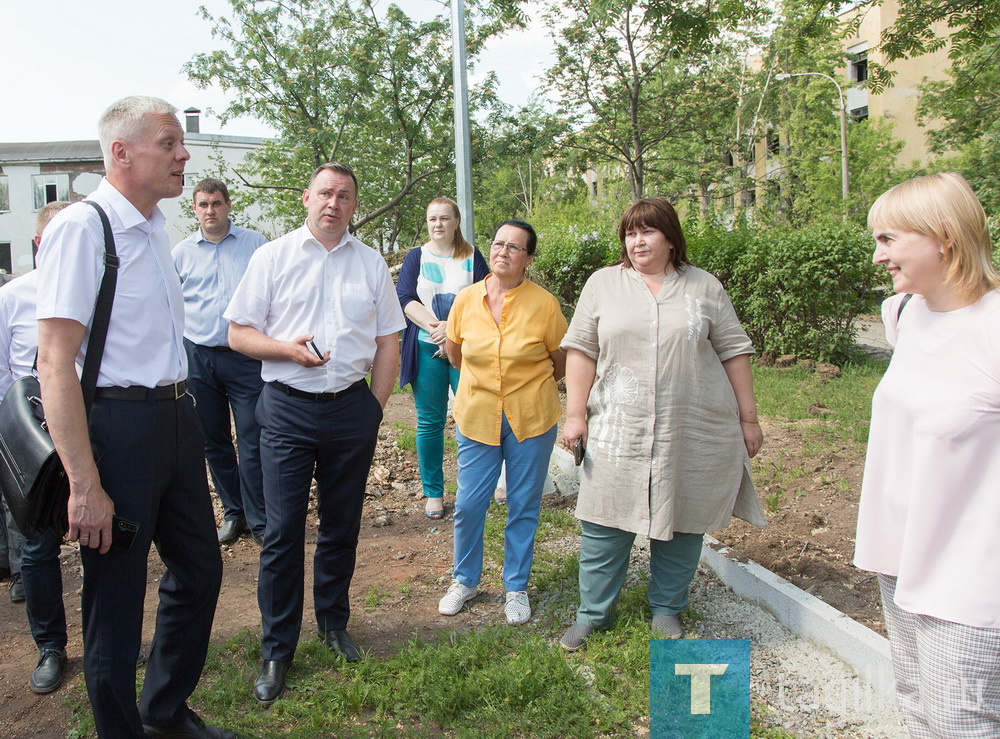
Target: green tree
x=629, y=77
x=341, y=80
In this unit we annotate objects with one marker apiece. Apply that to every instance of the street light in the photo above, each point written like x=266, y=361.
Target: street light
x=843, y=128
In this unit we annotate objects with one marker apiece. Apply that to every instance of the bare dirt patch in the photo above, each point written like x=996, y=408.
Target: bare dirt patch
x=404, y=561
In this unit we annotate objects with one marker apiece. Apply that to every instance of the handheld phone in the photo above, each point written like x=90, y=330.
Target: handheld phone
x=123, y=533
x=312, y=344
x=578, y=450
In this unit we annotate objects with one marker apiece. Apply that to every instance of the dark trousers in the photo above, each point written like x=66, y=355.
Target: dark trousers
x=150, y=457
x=43, y=590
x=220, y=379
x=335, y=440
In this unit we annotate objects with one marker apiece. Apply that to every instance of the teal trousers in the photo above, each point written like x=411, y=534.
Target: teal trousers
x=604, y=558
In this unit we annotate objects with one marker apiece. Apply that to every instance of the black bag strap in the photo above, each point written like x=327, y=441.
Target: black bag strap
x=902, y=304
x=102, y=312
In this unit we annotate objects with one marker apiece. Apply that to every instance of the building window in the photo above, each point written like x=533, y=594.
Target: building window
x=860, y=114
x=6, y=264
x=773, y=143
x=191, y=179
x=4, y=195
x=49, y=187
x=858, y=64
x=727, y=158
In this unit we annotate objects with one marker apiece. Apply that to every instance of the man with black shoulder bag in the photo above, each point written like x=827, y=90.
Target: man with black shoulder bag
x=139, y=456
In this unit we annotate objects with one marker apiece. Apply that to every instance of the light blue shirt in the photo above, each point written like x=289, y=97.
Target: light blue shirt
x=209, y=275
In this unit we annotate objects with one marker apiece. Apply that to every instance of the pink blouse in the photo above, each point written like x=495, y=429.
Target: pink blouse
x=930, y=500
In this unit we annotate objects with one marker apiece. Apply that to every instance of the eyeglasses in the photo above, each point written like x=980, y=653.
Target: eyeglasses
x=511, y=248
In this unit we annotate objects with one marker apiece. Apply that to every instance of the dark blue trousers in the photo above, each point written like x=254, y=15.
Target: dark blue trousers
x=221, y=379
x=151, y=460
x=43, y=590
x=335, y=441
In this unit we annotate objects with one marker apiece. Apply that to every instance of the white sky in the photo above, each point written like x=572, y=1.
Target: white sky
x=67, y=60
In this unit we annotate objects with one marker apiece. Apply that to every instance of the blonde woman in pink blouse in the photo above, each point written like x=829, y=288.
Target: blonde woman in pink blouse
x=929, y=519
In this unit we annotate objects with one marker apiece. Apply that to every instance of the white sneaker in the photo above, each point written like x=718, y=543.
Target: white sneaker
x=456, y=597
x=516, y=608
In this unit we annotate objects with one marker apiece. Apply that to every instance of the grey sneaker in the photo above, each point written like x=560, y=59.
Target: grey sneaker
x=456, y=597
x=575, y=636
x=667, y=626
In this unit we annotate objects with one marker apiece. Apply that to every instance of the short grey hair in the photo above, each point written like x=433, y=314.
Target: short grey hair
x=122, y=121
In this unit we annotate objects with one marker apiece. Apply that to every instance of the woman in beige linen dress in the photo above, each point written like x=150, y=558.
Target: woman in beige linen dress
x=659, y=389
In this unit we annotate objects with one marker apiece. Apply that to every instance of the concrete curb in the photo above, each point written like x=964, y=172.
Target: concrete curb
x=805, y=615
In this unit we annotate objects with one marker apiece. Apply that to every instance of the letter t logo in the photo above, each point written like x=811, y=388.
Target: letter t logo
x=701, y=684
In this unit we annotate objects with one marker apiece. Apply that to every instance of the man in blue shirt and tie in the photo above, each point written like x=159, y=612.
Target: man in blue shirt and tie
x=211, y=263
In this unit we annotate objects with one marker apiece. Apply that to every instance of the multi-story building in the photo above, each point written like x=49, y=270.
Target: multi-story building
x=33, y=174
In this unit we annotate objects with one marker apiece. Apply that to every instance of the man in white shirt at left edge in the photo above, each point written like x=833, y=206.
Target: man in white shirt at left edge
x=142, y=455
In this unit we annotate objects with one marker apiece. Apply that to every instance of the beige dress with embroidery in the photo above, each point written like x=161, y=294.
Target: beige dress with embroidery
x=665, y=449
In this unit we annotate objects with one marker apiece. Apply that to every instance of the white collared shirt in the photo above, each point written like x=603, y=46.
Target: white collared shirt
x=18, y=329
x=345, y=296
x=145, y=339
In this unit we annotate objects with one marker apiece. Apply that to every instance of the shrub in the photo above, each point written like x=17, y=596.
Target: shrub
x=567, y=256
x=796, y=291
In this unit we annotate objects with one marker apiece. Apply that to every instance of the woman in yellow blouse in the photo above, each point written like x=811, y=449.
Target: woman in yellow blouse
x=504, y=334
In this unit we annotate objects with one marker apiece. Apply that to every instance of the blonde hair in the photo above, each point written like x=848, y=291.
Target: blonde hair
x=46, y=213
x=461, y=248
x=944, y=207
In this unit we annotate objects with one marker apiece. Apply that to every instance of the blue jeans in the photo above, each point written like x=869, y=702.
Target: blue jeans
x=604, y=558
x=430, y=396
x=220, y=379
x=43, y=590
x=478, y=470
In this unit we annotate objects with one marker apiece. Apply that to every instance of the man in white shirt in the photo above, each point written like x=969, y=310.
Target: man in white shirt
x=319, y=308
x=40, y=571
x=141, y=455
x=211, y=262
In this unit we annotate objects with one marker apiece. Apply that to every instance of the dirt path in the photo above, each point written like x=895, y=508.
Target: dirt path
x=404, y=560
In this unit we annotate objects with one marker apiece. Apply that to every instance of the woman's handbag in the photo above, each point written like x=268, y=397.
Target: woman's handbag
x=32, y=478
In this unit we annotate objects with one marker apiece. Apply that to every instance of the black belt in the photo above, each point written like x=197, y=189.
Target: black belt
x=215, y=348
x=140, y=393
x=318, y=397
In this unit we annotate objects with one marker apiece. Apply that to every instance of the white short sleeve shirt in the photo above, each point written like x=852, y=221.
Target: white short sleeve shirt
x=293, y=286
x=145, y=339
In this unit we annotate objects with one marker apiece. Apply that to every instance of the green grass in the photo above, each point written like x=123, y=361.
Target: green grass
x=495, y=681
x=790, y=393
x=407, y=440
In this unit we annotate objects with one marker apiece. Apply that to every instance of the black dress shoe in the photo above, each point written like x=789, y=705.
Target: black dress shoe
x=271, y=681
x=258, y=539
x=16, y=588
x=341, y=643
x=48, y=674
x=192, y=726
x=230, y=530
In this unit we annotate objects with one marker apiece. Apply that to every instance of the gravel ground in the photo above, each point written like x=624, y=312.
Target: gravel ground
x=806, y=689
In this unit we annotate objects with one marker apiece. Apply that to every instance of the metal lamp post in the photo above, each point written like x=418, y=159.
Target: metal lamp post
x=843, y=128
x=463, y=147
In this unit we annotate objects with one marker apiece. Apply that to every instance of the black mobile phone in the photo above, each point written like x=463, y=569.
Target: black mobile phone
x=315, y=349
x=578, y=450
x=123, y=532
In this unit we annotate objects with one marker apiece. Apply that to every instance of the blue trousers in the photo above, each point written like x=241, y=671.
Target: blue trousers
x=335, y=441
x=478, y=471
x=604, y=558
x=221, y=379
x=430, y=396
x=11, y=541
x=43, y=590
x=150, y=456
